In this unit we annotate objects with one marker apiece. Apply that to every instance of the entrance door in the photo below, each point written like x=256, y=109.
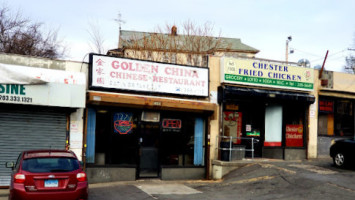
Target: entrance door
x=253, y=128
x=148, y=153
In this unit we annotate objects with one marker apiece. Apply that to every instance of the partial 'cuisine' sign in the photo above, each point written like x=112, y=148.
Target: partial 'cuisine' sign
x=144, y=76
x=264, y=73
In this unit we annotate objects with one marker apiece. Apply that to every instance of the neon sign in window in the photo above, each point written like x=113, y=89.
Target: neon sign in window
x=123, y=123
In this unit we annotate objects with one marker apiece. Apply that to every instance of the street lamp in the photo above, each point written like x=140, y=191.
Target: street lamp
x=289, y=39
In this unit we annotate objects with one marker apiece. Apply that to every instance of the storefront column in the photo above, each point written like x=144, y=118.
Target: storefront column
x=313, y=121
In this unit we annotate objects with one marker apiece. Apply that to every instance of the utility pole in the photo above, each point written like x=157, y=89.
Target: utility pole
x=289, y=39
x=120, y=22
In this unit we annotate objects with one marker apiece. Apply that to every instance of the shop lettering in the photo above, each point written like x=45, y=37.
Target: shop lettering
x=12, y=89
x=293, y=136
x=270, y=67
x=250, y=72
x=181, y=72
x=276, y=71
x=291, y=129
x=152, y=69
x=138, y=67
x=275, y=75
x=284, y=76
x=171, y=123
x=135, y=77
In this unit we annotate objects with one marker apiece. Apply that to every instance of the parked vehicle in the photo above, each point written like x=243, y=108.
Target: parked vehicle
x=343, y=152
x=48, y=174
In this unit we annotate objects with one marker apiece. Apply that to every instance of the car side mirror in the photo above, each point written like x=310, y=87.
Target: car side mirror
x=10, y=165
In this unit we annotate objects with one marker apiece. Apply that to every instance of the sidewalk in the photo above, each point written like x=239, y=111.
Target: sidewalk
x=324, y=161
x=4, y=194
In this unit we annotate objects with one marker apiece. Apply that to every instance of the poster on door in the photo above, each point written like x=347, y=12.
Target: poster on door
x=294, y=135
x=232, y=125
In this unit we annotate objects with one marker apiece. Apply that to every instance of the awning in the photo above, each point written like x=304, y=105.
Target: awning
x=38, y=86
x=337, y=94
x=230, y=93
x=143, y=101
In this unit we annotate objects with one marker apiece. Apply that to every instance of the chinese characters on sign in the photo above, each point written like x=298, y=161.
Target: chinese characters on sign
x=126, y=74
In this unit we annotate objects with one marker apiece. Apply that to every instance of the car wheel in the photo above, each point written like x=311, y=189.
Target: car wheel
x=339, y=160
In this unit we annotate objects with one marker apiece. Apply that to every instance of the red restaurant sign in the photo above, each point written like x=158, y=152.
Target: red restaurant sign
x=327, y=106
x=294, y=135
x=172, y=123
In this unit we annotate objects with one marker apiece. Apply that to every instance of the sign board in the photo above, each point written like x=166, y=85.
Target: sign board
x=38, y=86
x=264, y=73
x=232, y=125
x=144, y=76
x=326, y=106
x=171, y=125
x=294, y=135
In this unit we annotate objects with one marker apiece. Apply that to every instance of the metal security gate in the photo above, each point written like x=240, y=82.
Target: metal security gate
x=24, y=130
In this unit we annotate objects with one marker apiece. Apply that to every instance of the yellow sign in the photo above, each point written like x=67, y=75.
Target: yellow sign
x=264, y=73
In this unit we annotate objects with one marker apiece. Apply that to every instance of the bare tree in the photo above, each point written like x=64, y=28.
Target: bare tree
x=190, y=47
x=96, y=38
x=19, y=35
x=350, y=60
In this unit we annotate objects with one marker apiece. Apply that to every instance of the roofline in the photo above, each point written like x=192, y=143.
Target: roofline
x=181, y=51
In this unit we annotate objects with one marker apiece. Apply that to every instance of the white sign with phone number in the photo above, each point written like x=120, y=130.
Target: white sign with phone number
x=126, y=74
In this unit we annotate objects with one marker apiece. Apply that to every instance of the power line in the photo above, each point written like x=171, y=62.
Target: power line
x=330, y=55
x=307, y=53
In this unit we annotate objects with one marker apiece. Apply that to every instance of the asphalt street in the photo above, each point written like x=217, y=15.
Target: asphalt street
x=315, y=179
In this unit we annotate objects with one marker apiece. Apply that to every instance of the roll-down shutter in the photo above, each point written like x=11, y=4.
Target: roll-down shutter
x=24, y=130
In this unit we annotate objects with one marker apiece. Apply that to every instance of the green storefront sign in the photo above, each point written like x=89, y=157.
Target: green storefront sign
x=253, y=72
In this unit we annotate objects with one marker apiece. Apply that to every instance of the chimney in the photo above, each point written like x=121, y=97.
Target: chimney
x=174, y=31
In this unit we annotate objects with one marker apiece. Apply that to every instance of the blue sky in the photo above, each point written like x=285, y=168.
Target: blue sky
x=315, y=25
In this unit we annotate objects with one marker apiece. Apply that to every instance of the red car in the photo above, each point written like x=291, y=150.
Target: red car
x=48, y=175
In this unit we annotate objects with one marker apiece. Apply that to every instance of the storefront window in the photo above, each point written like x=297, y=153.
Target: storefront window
x=116, y=137
x=344, y=118
x=131, y=137
x=179, y=141
x=335, y=117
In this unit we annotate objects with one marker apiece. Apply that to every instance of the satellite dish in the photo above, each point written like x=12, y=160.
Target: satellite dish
x=304, y=63
x=318, y=67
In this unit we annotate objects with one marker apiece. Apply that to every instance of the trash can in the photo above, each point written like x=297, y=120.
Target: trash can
x=225, y=150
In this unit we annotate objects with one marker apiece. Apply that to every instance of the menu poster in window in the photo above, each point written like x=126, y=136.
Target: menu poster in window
x=232, y=124
x=294, y=135
x=123, y=123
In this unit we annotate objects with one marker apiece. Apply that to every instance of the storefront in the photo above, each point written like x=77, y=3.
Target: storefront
x=36, y=106
x=336, y=119
x=265, y=107
x=146, y=119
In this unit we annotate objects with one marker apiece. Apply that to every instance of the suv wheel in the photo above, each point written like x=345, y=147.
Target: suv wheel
x=339, y=160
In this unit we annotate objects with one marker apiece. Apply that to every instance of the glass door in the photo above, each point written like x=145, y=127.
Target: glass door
x=148, y=152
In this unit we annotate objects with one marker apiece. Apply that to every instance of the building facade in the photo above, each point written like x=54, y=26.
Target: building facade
x=267, y=104
x=41, y=107
x=146, y=119
x=336, y=94
x=165, y=94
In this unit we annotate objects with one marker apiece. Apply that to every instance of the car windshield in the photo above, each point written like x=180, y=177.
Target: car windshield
x=42, y=165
